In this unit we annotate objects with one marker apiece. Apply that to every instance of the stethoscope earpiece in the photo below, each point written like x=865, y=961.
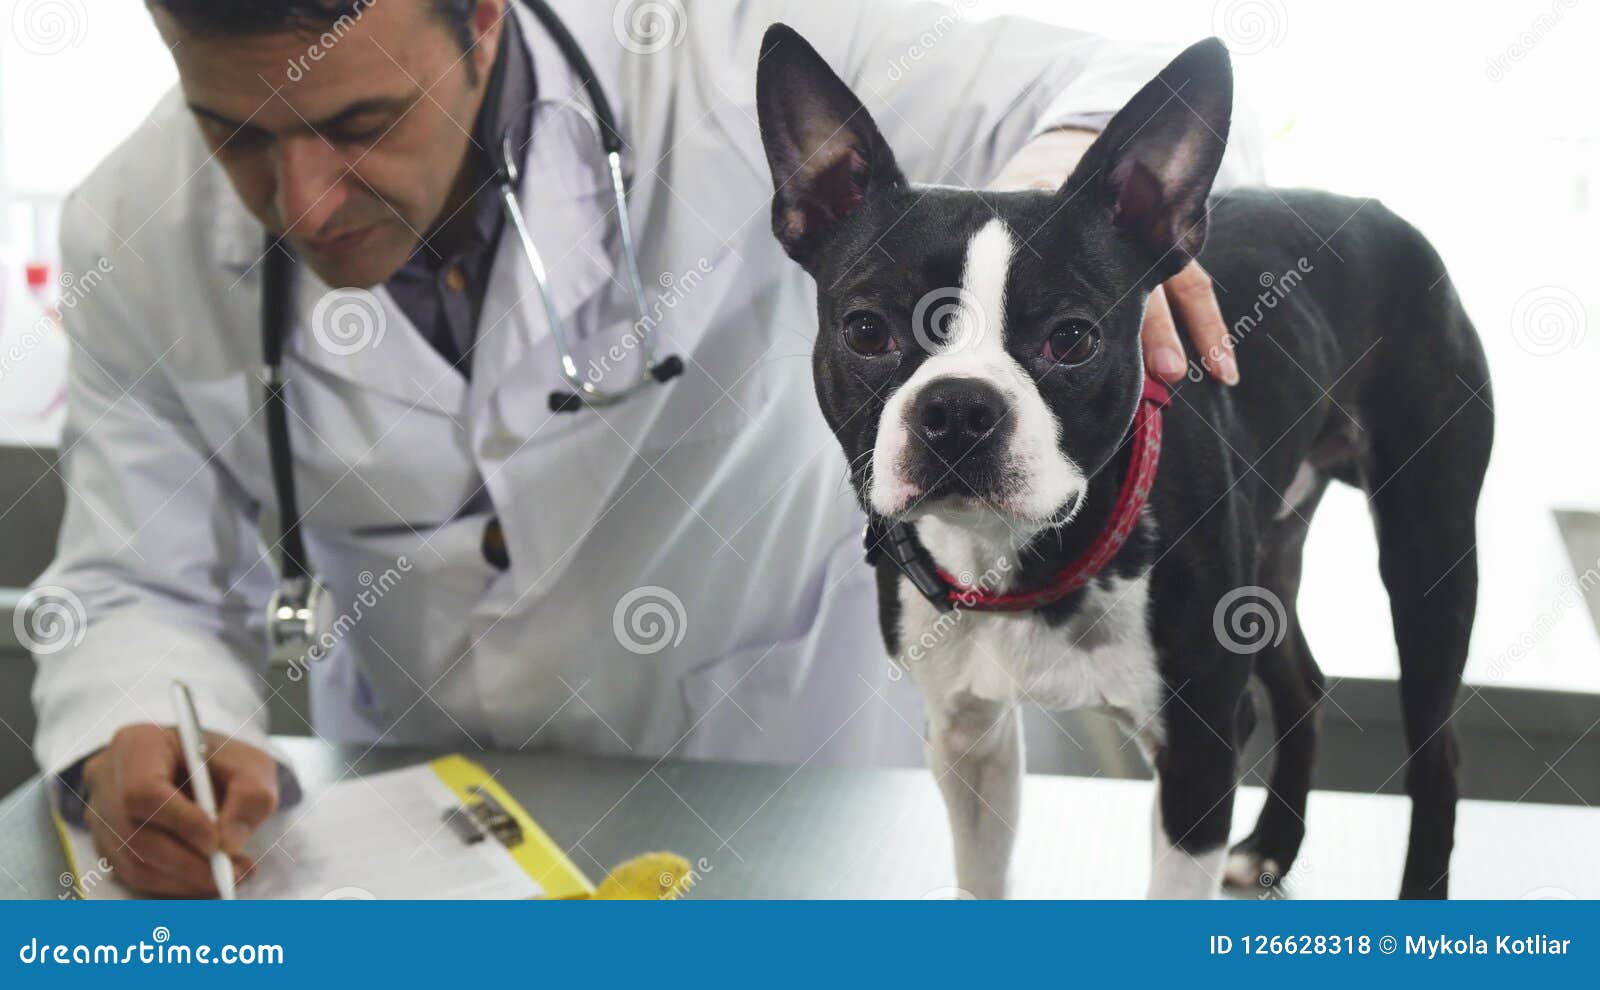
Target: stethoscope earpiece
x=563, y=402
x=667, y=369
x=661, y=372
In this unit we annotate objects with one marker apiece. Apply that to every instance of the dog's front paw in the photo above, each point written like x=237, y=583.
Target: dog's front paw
x=1247, y=870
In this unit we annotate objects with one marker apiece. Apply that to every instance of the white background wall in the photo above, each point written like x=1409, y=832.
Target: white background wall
x=75, y=77
x=1478, y=122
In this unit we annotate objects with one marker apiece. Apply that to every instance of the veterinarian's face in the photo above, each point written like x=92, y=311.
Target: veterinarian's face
x=975, y=354
x=347, y=140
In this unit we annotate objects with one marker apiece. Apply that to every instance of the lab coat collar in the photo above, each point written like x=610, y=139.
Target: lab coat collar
x=365, y=338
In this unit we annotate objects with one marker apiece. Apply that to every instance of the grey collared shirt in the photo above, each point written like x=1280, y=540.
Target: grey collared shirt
x=441, y=287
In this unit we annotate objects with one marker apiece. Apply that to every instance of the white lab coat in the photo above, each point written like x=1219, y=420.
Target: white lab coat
x=722, y=495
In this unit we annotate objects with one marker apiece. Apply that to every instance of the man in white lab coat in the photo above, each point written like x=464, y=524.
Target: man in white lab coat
x=681, y=574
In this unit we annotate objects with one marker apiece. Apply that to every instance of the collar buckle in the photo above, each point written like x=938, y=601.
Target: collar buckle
x=899, y=542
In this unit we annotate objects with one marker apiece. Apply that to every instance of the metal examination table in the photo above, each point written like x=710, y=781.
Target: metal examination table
x=776, y=832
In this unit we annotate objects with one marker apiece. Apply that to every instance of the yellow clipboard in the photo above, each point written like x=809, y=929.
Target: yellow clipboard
x=487, y=813
x=536, y=852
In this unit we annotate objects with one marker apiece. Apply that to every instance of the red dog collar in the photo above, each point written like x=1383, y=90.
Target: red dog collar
x=946, y=592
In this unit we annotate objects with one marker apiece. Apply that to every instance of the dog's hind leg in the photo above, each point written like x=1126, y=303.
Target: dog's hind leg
x=975, y=750
x=1294, y=686
x=1426, y=470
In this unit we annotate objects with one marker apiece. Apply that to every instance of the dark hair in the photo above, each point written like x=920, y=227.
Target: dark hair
x=247, y=17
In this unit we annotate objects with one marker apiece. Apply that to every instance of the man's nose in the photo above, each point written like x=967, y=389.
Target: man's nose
x=955, y=415
x=311, y=185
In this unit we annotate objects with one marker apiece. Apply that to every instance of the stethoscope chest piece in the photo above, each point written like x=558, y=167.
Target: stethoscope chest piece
x=295, y=613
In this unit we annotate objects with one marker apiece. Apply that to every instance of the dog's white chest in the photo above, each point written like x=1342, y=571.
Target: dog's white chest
x=1102, y=657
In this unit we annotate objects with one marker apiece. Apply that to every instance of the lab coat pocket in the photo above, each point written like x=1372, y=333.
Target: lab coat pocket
x=401, y=663
x=735, y=704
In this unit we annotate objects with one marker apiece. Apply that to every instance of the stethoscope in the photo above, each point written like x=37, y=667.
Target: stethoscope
x=294, y=610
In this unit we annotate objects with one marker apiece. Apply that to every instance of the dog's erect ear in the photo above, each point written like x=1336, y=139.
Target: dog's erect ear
x=825, y=152
x=1154, y=164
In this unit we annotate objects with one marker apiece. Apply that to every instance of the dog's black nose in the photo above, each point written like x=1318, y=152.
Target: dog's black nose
x=955, y=415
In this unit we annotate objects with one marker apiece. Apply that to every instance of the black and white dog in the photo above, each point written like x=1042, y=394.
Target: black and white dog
x=978, y=359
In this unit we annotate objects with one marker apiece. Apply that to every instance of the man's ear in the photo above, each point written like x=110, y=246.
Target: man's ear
x=487, y=26
x=825, y=152
x=1153, y=166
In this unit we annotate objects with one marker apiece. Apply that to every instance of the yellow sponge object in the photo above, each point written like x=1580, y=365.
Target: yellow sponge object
x=657, y=876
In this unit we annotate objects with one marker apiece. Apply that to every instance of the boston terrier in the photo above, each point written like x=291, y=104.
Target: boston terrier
x=1048, y=525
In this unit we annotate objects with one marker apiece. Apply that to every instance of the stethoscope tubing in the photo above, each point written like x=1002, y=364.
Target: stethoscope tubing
x=292, y=613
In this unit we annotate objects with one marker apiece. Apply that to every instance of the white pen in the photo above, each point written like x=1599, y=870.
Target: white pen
x=194, y=757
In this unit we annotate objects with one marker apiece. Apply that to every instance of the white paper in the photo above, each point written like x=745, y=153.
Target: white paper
x=379, y=837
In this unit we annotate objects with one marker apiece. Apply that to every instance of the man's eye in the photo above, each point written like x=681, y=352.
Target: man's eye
x=867, y=334
x=242, y=140
x=1072, y=343
x=358, y=135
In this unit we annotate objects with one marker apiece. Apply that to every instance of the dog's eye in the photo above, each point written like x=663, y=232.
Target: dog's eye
x=1072, y=343
x=866, y=333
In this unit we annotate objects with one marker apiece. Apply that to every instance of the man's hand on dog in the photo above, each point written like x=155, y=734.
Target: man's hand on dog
x=1186, y=300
